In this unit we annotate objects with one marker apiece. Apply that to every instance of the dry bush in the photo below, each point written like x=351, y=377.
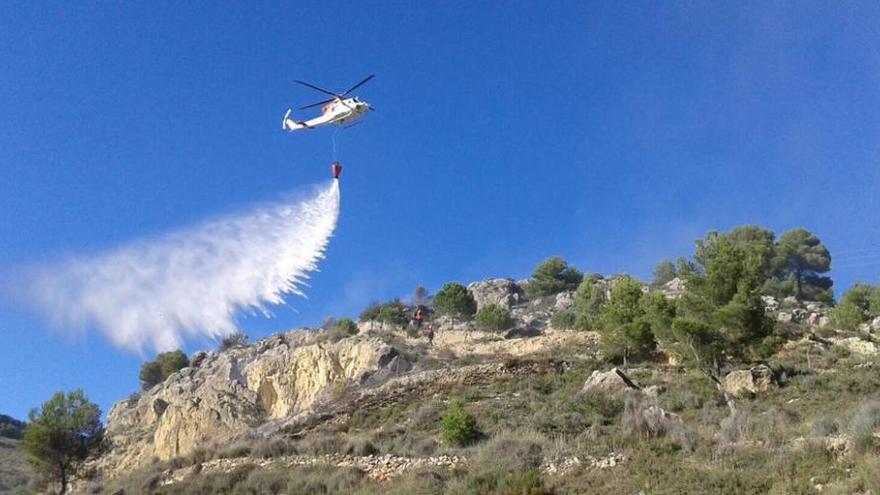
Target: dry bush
x=862, y=426
x=320, y=444
x=735, y=428
x=642, y=416
x=825, y=426
x=237, y=449
x=359, y=446
x=272, y=447
x=513, y=451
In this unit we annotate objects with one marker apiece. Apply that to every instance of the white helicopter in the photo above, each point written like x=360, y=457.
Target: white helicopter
x=340, y=109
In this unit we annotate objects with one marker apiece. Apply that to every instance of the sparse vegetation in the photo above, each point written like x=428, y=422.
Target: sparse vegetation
x=675, y=428
x=340, y=329
x=237, y=339
x=156, y=371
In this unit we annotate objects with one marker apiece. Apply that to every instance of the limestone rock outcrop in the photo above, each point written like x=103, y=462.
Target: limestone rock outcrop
x=291, y=382
x=231, y=392
x=751, y=381
x=504, y=292
x=674, y=289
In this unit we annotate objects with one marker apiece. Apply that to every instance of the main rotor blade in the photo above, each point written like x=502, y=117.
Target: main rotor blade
x=317, y=88
x=356, y=86
x=317, y=104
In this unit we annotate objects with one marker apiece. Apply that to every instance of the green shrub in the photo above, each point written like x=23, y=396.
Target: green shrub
x=588, y=301
x=238, y=339
x=392, y=312
x=848, y=316
x=458, y=427
x=371, y=312
x=494, y=317
x=553, y=276
x=156, y=371
x=859, y=304
x=624, y=325
x=563, y=320
x=341, y=329
x=454, y=300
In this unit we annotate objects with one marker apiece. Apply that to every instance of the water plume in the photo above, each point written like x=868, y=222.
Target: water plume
x=192, y=282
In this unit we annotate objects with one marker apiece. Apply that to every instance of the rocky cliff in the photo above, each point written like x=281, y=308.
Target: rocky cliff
x=225, y=394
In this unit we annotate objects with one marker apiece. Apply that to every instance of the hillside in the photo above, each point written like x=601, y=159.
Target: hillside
x=311, y=411
x=14, y=470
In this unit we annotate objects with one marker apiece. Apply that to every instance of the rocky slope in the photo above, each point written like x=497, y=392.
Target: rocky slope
x=301, y=385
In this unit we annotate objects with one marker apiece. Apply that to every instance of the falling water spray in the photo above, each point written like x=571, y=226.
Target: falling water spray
x=192, y=282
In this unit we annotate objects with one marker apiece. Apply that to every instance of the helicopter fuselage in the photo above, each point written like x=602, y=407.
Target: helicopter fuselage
x=339, y=111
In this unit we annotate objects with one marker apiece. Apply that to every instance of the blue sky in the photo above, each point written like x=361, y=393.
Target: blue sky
x=613, y=134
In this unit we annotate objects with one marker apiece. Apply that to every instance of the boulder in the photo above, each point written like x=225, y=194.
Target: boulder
x=752, y=381
x=613, y=382
x=501, y=291
x=644, y=416
x=564, y=301
x=814, y=306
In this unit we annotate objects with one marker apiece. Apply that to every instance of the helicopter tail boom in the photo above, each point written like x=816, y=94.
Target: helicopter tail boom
x=288, y=124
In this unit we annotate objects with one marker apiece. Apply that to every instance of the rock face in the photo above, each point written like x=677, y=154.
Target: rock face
x=791, y=310
x=673, y=289
x=237, y=390
x=752, y=381
x=501, y=291
x=288, y=383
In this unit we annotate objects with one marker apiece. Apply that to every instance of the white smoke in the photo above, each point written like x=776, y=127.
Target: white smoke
x=194, y=281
